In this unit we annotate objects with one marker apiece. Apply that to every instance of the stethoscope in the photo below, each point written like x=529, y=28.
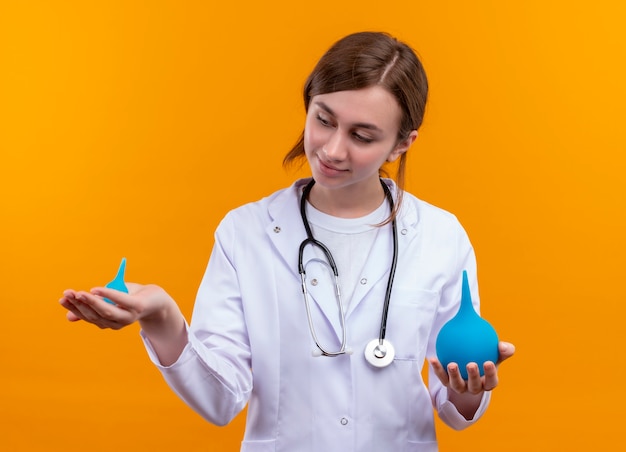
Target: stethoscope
x=378, y=352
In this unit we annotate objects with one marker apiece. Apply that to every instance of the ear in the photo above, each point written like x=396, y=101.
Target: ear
x=402, y=146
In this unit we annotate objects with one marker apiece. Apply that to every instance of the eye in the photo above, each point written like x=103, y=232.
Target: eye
x=363, y=139
x=323, y=121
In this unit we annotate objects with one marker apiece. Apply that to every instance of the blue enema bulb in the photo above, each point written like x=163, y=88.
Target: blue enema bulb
x=118, y=281
x=467, y=338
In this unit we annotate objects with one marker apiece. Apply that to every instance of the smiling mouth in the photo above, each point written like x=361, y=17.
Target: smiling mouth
x=330, y=167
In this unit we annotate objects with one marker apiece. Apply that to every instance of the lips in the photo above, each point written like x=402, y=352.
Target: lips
x=329, y=167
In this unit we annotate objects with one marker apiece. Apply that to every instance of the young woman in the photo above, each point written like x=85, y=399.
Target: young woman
x=321, y=302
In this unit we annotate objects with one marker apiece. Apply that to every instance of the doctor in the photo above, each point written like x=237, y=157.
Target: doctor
x=296, y=342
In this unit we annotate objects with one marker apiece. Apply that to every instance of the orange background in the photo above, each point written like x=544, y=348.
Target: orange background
x=131, y=128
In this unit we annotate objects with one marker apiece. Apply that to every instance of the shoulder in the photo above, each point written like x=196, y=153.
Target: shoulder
x=427, y=212
x=437, y=233
x=265, y=210
x=270, y=204
x=434, y=227
x=416, y=212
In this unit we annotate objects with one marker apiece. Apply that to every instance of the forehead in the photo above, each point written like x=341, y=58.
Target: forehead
x=372, y=105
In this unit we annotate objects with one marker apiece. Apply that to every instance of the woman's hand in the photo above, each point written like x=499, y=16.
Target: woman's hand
x=142, y=303
x=467, y=394
x=474, y=384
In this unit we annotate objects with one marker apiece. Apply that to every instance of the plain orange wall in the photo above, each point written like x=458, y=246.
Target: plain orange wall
x=131, y=128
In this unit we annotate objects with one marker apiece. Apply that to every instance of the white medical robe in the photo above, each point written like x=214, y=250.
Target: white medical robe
x=249, y=340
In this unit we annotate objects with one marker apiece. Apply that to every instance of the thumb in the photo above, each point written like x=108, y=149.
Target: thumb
x=505, y=350
x=118, y=297
x=133, y=288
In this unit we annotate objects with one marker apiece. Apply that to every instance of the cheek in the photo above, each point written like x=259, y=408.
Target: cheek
x=307, y=140
x=312, y=138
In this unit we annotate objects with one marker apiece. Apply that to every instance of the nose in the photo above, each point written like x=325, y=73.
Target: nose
x=335, y=148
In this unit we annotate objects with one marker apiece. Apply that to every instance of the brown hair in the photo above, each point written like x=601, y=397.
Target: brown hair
x=365, y=59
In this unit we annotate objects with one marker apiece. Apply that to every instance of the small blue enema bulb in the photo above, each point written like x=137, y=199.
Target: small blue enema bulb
x=467, y=338
x=118, y=282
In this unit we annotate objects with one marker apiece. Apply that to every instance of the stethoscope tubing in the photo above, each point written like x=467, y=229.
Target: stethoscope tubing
x=392, y=268
x=310, y=240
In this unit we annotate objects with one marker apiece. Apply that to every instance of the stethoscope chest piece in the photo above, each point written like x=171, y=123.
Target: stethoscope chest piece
x=379, y=354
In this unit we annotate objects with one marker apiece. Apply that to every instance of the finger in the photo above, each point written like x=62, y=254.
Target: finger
x=99, y=305
x=474, y=380
x=100, y=313
x=72, y=314
x=69, y=293
x=133, y=288
x=72, y=317
x=505, y=351
x=79, y=310
x=491, y=376
x=439, y=371
x=87, y=307
x=456, y=380
x=84, y=307
x=119, y=298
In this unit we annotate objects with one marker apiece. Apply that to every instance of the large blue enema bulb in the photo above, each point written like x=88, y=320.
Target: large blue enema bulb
x=467, y=338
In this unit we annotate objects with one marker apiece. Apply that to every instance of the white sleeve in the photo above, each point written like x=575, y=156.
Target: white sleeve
x=450, y=415
x=213, y=373
x=465, y=259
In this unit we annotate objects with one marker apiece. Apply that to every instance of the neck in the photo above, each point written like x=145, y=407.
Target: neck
x=349, y=202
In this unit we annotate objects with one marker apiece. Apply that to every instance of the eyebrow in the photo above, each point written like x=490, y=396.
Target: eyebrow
x=359, y=125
